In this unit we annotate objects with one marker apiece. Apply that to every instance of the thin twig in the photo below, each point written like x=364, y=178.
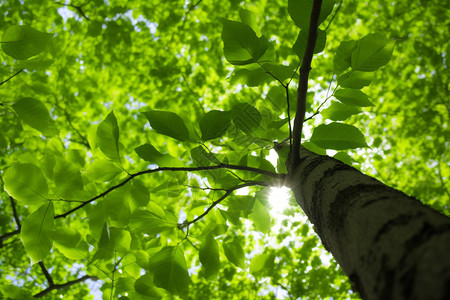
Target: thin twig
x=279, y=177
x=227, y=193
x=334, y=15
x=16, y=216
x=303, y=85
x=11, y=77
x=8, y=235
x=79, y=8
x=46, y=274
x=64, y=285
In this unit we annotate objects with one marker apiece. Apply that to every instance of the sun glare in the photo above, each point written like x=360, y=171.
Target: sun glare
x=279, y=199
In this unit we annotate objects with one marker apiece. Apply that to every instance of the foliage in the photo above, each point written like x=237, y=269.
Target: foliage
x=135, y=139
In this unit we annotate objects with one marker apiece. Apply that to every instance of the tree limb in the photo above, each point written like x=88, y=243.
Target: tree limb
x=278, y=177
x=16, y=216
x=46, y=274
x=227, y=193
x=294, y=156
x=11, y=77
x=64, y=285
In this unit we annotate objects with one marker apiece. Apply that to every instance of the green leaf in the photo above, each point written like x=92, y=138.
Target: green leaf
x=36, y=232
x=344, y=157
x=234, y=252
x=26, y=183
x=339, y=112
x=246, y=117
x=68, y=179
x=214, y=124
x=70, y=242
x=35, y=113
x=372, y=52
x=23, y=41
x=149, y=153
x=355, y=79
x=151, y=221
x=299, y=46
x=338, y=136
x=102, y=170
x=241, y=45
x=203, y=158
x=249, y=18
x=209, y=256
x=256, y=75
x=139, y=193
x=37, y=64
x=168, y=123
x=261, y=218
x=314, y=148
x=300, y=11
x=108, y=137
x=120, y=239
x=342, y=58
x=262, y=264
x=118, y=207
x=170, y=271
x=14, y=292
x=144, y=285
x=353, y=97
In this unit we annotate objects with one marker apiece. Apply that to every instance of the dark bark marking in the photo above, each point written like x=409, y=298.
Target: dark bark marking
x=357, y=285
x=386, y=275
x=315, y=162
x=402, y=219
x=345, y=199
x=316, y=209
x=426, y=232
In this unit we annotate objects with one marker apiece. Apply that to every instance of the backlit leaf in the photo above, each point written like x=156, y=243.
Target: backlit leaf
x=108, y=137
x=234, y=252
x=300, y=11
x=342, y=58
x=249, y=18
x=355, y=79
x=246, y=117
x=170, y=271
x=241, y=45
x=338, y=136
x=69, y=241
x=299, y=46
x=26, y=183
x=209, y=256
x=214, y=124
x=35, y=113
x=103, y=170
x=23, y=41
x=372, y=52
x=36, y=232
x=352, y=97
x=168, y=123
x=261, y=218
x=339, y=112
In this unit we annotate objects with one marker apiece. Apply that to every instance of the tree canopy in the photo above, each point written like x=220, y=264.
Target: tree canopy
x=141, y=142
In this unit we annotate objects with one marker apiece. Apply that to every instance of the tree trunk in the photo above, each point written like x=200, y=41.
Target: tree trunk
x=389, y=244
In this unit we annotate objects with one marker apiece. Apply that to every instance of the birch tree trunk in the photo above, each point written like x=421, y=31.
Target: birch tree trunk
x=389, y=244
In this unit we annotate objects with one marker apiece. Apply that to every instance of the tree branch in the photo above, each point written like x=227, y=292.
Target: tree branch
x=79, y=8
x=16, y=216
x=294, y=155
x=278, y=177
x=227, y=193
x=46, y=274
x=11, y=77
x=63, y=286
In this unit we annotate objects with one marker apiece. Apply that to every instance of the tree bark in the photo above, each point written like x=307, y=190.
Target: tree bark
x=389, y=244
